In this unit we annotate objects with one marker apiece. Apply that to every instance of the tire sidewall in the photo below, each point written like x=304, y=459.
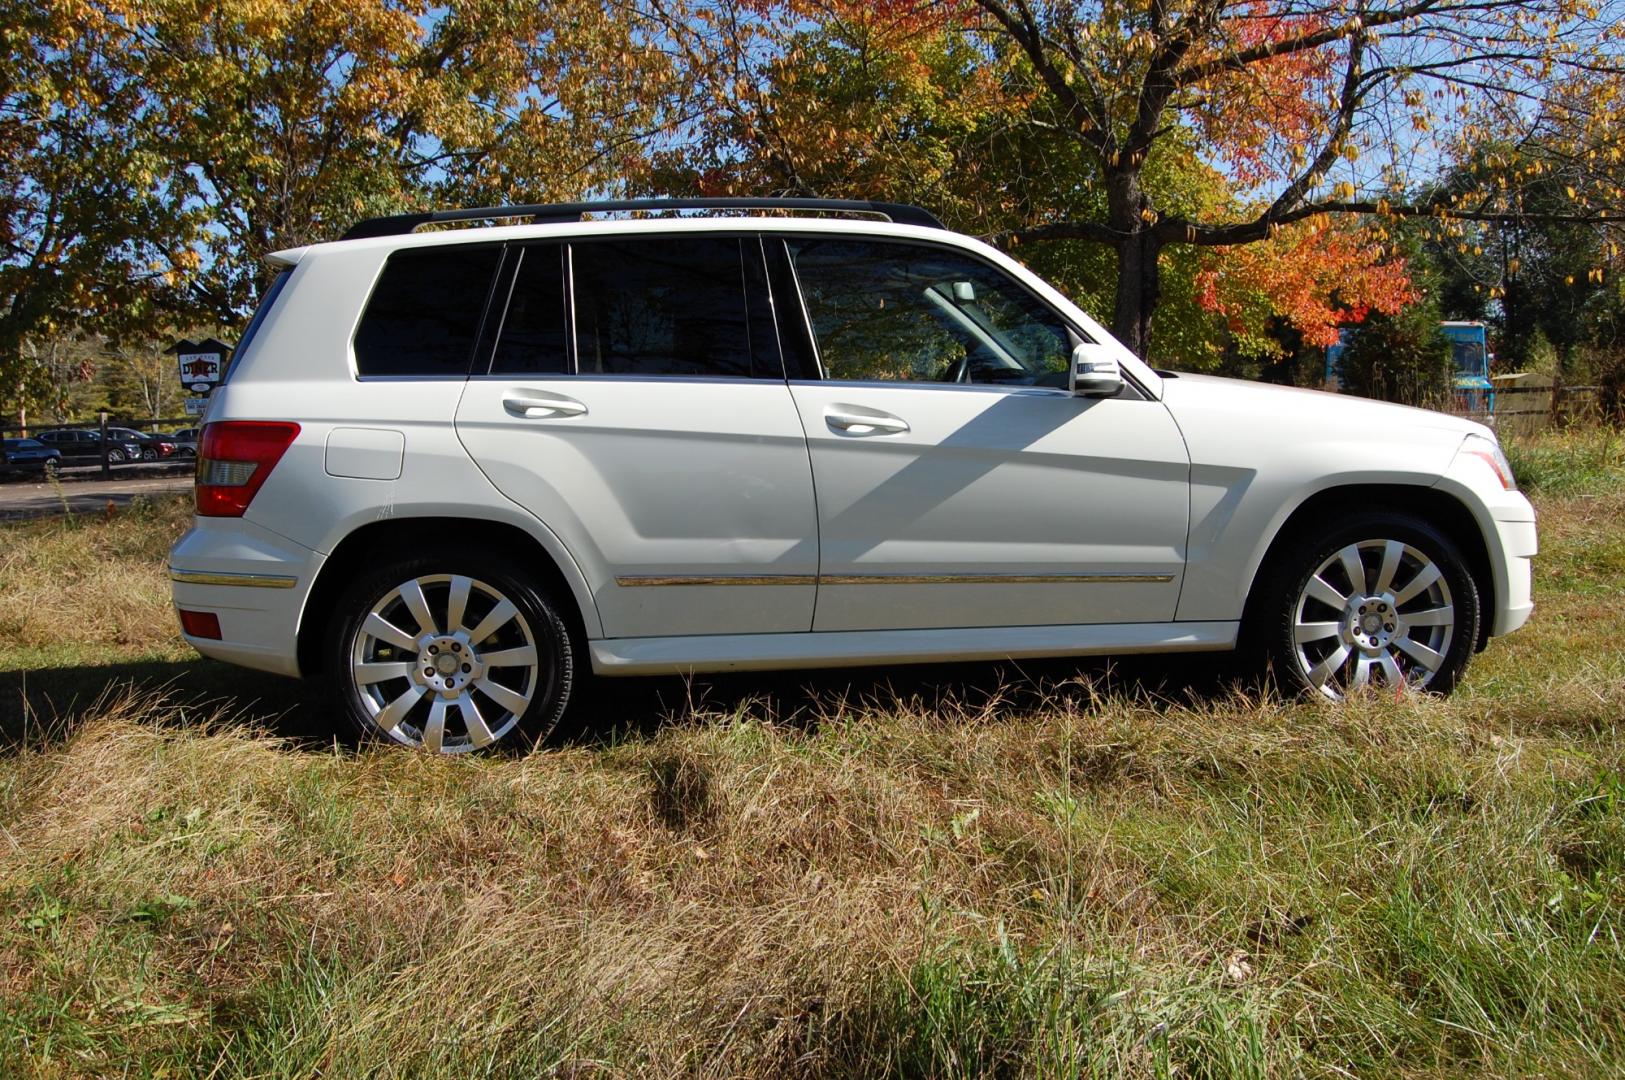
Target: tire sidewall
x=555, y=682
x=1308, y=554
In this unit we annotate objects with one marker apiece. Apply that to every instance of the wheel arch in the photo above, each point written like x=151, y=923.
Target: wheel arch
x=1439, y=508
x=369, y=542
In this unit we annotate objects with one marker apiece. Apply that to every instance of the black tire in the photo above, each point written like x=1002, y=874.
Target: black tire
x=539, y=616
x=149, y=454
x=115, y=457
x=1382, y=630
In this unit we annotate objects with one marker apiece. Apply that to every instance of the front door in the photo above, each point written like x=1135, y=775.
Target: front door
x=659, y=439
x=959, y=483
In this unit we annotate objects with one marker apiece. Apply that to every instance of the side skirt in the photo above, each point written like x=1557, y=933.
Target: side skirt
x=769, y=652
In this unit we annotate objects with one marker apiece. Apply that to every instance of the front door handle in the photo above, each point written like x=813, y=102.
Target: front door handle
x=861, y=421
x=539, y=404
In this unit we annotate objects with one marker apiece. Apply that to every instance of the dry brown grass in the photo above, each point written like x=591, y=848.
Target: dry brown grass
x=1076, y=880
x=93, y=580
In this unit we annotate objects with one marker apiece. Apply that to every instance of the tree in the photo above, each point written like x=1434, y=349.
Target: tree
x=79, y=220
x=154, y=151
x=1309, y=106
x=885, y=102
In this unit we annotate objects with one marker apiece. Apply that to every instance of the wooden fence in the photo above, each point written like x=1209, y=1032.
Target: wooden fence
x=1525, y=410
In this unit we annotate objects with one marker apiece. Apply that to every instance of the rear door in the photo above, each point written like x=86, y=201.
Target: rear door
x=643, y=415
x=960, y=484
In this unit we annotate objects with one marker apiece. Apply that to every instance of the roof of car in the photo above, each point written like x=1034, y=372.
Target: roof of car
x=672, y=219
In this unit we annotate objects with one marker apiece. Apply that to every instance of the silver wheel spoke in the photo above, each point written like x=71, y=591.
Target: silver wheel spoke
x=1439, y=616
x=389, y=719
x=1423, y=655
x=1362, y=672
x=511, y=700
x=434, y=731
x=386, y=656
x=478, y=733
x=1391, y=551
x=384, y=630
x=1350, y=558
x=457, y=603
x=1319, y=590
x=1305, y=632
x=1391, y=675
x=1324, y=670
x=490, y=624
x=1424, y=578
x=522, y=656
x=367, y=674
x=418, y=605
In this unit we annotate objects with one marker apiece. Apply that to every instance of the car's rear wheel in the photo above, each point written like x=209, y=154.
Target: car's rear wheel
x=449, y=655
x=1382, y=600
x=149, y=454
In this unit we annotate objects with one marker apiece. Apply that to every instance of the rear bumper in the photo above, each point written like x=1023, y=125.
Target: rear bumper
x=254, y=581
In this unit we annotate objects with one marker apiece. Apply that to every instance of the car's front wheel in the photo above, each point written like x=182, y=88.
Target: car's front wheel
x=115, y=457
x=451, y=655
x=1383, y=599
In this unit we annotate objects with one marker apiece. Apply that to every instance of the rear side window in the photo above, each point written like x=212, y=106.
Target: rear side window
x=534, y=339
x=673, y=306
x=424, y=314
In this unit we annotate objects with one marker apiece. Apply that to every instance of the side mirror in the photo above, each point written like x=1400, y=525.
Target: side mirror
x=1094, y=373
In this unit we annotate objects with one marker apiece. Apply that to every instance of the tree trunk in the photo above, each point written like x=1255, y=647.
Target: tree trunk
x=1138, y=287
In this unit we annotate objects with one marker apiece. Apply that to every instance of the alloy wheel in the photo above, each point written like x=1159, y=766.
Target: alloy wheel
x=445, y=662
x=1376, y=612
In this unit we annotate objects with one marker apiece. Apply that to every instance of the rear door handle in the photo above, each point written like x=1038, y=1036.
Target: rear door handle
x=539, y=404
x=861, y=421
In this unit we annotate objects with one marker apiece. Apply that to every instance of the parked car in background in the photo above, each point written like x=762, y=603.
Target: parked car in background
x=458, y=470
x=29, y=456
x=185, y=441
x=83, y=447
x=153, y=447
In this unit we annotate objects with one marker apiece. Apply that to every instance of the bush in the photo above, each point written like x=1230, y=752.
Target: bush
x=1403, y=358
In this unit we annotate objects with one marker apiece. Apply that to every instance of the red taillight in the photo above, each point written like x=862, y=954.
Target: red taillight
x=201, y=624
x=234, y=458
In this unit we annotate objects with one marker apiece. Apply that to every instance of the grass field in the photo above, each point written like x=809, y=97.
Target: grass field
x=1045, y=870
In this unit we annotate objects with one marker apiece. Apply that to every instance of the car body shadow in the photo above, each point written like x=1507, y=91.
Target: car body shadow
x=44, y=707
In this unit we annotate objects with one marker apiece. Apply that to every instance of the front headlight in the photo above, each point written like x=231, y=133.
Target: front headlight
x=1489, y=451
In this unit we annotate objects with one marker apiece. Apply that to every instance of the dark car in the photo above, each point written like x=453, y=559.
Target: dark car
x=153, y=447
x=28, y=456
x=81, y=447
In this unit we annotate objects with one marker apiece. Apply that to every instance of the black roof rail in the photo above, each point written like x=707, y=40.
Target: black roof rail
x=398, y=224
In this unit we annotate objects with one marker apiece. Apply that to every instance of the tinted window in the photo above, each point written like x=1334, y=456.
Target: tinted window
x=425, y=312
x=903, y=312
x=669, y=306
x=533, y=337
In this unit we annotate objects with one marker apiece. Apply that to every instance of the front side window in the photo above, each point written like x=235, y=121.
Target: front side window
x=893, y=312
x=672, y=306
x=424, y=314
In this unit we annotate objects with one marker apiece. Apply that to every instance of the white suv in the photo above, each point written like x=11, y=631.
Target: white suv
x=451, y=469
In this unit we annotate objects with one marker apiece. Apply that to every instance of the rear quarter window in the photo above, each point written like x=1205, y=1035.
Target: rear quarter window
x=424, y=315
